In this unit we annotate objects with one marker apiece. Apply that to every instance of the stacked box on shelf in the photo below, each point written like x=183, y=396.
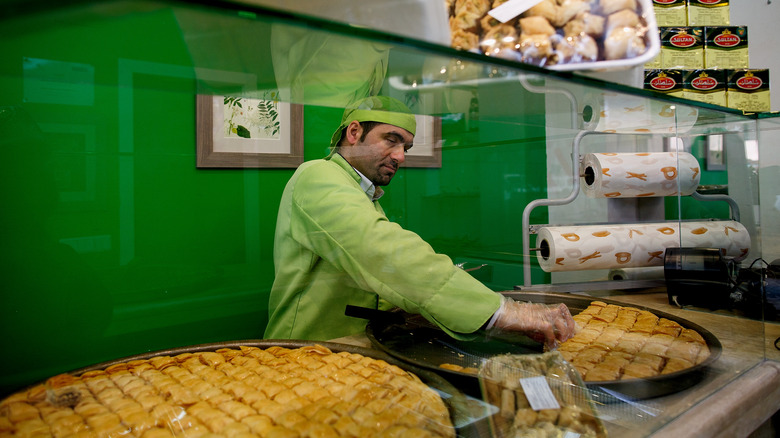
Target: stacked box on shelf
x=708, y=13
x=705, y=85
x=682, y=47
x=711, y=56
x=671, y=13
x=748, y=89
x=669, y=82
x=726, y=47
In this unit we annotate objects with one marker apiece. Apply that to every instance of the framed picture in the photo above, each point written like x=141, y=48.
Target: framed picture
x=239, y=132
x=426, y=151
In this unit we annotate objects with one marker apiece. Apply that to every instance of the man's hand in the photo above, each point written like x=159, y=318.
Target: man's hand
x=550, y=324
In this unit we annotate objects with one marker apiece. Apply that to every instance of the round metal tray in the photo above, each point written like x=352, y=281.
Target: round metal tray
x=466, y=413
x=420, y=343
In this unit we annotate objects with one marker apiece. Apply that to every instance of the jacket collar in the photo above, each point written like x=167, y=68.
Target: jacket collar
x=372, y=191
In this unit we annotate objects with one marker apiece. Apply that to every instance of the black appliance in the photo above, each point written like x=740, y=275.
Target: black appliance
x=703, y=277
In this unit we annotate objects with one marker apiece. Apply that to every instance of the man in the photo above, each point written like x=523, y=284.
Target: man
x=334, y=247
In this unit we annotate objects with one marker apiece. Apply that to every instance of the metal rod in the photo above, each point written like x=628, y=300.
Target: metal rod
x=732, y=203
x=575, y=180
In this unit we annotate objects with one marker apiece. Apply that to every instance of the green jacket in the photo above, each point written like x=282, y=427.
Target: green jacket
x=334, y=246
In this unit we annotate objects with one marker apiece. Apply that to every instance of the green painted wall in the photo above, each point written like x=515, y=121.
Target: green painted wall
x=114, y=243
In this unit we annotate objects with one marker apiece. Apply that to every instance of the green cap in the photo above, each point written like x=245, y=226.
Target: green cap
x=380, y=109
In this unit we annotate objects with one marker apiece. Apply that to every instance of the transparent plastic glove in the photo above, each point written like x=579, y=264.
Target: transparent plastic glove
x=549, y=324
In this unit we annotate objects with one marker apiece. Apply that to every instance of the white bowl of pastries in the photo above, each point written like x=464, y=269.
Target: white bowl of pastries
x=564, y=35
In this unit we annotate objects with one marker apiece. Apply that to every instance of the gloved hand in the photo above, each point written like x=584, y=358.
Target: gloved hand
x=550, y=324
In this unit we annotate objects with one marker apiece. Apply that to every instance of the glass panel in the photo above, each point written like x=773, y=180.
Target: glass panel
x=769, y=217
x=118, y=242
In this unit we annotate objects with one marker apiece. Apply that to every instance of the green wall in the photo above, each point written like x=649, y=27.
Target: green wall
x=114, y=243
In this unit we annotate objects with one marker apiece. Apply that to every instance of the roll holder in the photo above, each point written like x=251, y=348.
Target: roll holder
x=529, y=229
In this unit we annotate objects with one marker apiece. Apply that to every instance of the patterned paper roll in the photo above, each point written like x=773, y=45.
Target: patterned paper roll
x=634, y=175
x=587, y=247
x=639, y=115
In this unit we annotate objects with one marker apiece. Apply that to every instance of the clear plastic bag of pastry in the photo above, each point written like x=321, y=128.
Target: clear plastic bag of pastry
x=559, y=34
x=538, y=396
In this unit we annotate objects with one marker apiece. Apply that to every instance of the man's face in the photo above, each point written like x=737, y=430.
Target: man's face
x=380, y=153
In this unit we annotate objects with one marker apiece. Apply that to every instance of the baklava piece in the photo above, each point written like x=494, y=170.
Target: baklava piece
x=616, y=343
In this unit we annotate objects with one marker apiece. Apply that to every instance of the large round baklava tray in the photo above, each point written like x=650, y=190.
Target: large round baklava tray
x=238, y=390
x=631, y=351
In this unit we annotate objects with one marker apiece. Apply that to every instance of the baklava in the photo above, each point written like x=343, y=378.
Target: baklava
x=235, y=393
x=621, y=343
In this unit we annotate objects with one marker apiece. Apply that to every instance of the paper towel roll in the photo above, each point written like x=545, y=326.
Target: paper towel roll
x=644, y=273
x=633, y=175
x=587, y=247
x=639, y=115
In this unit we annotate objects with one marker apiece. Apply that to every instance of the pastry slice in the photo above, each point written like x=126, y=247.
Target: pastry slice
x=691, y=335
x=687, y=351
x=572, y=346
x=592, y=355
x=582, y=319
x=636, y=370
x=586, y=336
x=653, y=361
x=618, y=358
x=603, y=372
x=704, y=353
x=643, y=326
x=592, y=309
x=627, y=346
x=676, y=364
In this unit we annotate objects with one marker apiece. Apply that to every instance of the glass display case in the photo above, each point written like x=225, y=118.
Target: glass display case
x=148, y=143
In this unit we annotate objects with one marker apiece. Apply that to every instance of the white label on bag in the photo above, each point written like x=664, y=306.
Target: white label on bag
x=538, y=393
x=511, y=9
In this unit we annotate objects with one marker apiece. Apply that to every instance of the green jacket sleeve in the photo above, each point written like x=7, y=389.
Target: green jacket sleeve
x=334, y=218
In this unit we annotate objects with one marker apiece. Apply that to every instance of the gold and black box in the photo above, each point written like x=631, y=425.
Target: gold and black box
x=726, y=47
x=682, y=47
x=665, y=81
x=748, y=89
x=708, y=13
x=705, y=85
x=671, y=12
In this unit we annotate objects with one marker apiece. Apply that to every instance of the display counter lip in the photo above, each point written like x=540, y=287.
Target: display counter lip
x=733, y=410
